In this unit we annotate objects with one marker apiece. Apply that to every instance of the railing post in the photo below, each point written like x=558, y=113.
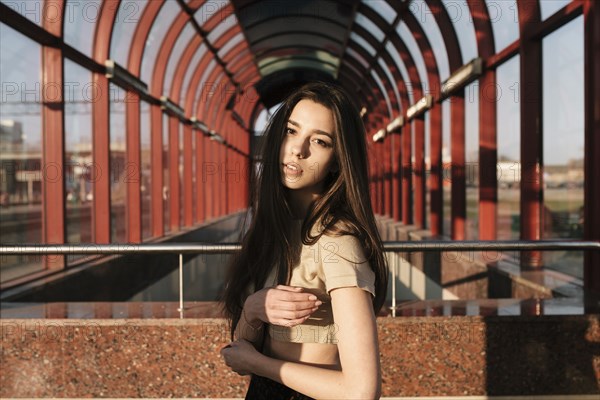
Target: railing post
x=180, y=309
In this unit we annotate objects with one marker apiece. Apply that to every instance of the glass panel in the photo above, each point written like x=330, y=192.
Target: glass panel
x=549, y=7
x=413, y=49
x=509, y=149
x=260, y=11
x=79, y=172
x=146, y=171
x=370, y=26
x=190, y=72
x=446, y=170
x=504, y=17
x=357, y=56
x=459, y=13
x=161, y=25
x=30, y=9
x=423, y=14
x=295, y=62
x=221, y=28
x=208, y=10
x=128, y=16
x=295, y=24
x=119, y=170
x=472, y=159
x=165, y=160
x=175, y=58
x=21, y=150
x=392, y=83
x=382, y=8
x=383, y=91
x=389, y=47
x=564, y=138
x=203, y=86
x=362, y=43
x=230, y=45
x=295, y=42
x=80, y=24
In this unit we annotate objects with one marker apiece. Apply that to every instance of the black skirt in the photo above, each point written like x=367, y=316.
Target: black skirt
x=262, y=388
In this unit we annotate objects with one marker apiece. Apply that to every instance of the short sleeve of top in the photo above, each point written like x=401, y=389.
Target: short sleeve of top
x=330, y=263
x=344, y=264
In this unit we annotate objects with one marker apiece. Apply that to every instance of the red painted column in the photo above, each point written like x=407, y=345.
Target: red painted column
x=419, y=172
x=488, y=157
x=175, y=203
x=188, y=181
x=156, y=150
x=200, y=185
x=457, y=151
x=531, y=130
x=53, y=108
x=407, y=186
x=436, y=215
x=591, y=272
x=396, y=144
x=133, y=210
x=101, y=125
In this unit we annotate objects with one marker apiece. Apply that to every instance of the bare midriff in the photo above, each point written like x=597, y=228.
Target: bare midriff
x=322, y=355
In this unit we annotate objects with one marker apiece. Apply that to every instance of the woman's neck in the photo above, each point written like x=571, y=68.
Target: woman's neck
x=300, y=202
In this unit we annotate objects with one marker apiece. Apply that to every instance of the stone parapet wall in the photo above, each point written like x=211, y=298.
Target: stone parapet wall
x=421, y=356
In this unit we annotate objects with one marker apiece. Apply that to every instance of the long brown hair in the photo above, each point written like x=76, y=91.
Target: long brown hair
x=343, y=208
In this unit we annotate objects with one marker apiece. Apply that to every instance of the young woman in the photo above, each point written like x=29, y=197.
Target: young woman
x=304, y=291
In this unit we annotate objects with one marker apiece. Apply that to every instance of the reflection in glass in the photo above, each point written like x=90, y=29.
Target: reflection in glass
x=120, y=171
x=472, y=159
x=563, y=89
x=21, y=169
x=446, y=170
x=79, y=171
x=146, y=171
x=509, y=149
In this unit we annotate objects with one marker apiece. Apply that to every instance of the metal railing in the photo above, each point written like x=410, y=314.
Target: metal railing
x=230, y=248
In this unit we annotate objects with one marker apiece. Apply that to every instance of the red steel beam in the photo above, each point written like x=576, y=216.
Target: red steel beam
x=101, y=124
x=532, y=202
x=488, y=149
x=53, y=110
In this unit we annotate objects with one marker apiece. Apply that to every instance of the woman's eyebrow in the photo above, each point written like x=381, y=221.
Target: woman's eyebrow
x=320, y=132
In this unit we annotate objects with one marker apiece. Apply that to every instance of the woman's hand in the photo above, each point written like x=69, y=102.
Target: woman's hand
x=239, y=356
x=281, y=305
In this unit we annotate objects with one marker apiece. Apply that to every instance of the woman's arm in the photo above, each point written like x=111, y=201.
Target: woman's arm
x=281, y=305
x=358, y=348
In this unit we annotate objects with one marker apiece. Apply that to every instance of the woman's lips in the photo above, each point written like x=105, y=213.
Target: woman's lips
x=292, y=169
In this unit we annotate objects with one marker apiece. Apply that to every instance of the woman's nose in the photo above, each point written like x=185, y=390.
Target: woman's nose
x=298, y=149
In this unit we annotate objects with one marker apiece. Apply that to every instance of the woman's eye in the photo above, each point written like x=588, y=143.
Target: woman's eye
x=321, y=143
x=289, y=131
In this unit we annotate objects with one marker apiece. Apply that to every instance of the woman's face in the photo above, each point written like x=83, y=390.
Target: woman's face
x=307, y=152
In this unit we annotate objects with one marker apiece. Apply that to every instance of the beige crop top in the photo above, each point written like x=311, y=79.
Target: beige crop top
x=332, y=262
